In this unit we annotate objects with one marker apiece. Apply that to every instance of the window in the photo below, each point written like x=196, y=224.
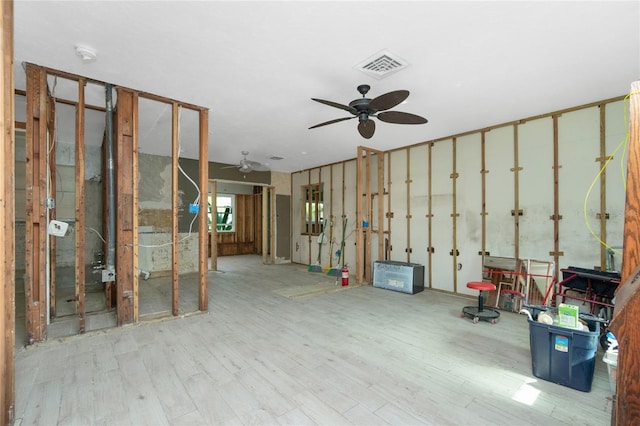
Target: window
x=225, y=204
x=313, y=209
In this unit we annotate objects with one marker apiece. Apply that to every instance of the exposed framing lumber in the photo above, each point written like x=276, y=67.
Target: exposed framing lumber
x=603, y=186
x=264, y=218
x=483, y=184
x=380, y=192
x=80, y=209
x=387, y=254
x=214, y=228
x=626, y=409
x=272, y=227
x=430, y=250
x=7, y=215
x=454, y=217
x=203, y=267
x=516, y=194
x=51, y=160
x=175, y=200
x=364, y=235
x=36, y=194
x=556, y=194
x=408, y=182
x=126, y=210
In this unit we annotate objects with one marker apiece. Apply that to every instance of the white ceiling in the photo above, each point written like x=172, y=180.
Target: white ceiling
x=256, y=65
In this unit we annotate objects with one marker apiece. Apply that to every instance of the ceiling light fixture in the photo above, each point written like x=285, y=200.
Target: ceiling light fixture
x=85, y=53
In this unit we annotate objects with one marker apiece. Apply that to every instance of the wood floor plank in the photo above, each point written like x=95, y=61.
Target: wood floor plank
x=360, y=356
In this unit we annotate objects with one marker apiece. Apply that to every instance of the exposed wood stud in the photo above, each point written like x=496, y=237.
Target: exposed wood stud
x=599, y=216
x=408, y=202
x=126, y=249
x=603, y=186
x=516, y=193
x=52, y=210
x=7, y=216
x=80, y=260
x=483, y=196
x=455, y=215
x=625, y=410
x=36, y=194
x=175, y=201
x=214, y=229
x=389, y=215
x=203, y=226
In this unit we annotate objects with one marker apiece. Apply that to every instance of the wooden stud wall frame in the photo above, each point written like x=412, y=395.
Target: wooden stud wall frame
x=39, y=126
x=523, y=156
x=364, y=217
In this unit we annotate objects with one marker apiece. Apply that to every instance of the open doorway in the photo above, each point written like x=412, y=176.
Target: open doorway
x=240, y=220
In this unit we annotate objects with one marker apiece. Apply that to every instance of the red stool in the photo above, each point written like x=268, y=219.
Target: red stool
x=480, y=312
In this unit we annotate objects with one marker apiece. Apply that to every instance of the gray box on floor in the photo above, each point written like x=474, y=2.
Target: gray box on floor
x=398, y=276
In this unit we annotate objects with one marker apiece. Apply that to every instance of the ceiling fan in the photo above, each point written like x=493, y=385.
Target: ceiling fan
x=365, y=109
x=246, y=166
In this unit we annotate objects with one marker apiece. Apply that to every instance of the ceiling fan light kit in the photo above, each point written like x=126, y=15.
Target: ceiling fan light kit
x=366, y=108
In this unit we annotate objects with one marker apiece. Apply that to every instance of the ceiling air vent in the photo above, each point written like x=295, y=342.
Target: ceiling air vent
x=382, y=64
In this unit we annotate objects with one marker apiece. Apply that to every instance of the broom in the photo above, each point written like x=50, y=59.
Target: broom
x=336, y=272
x=317, y=267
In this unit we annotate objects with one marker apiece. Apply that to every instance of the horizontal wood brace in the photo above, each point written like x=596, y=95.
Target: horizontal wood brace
x=408, y=181
x=431, y=250
x=484, y=213
x=408, y=216
x=389, y=215
x=455, y=214
x=554, y=217
x=484, y=171
x=457, y=253
x=520, y=212
x=559, y=166
x=454, y=175
x=602, y=160
x=408, y=250
x=553, y=253
x=519, y=169
x=598, y=215
x=484, y=253
x=428, y=215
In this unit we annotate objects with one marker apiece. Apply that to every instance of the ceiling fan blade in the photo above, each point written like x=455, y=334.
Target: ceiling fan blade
x=352, y=110
x=257, y=166
x=337, y=120
x=388, y=100
x=400, y=118
x=367, y=128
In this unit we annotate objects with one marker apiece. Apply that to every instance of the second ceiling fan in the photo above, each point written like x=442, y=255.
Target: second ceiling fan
x=365, y=109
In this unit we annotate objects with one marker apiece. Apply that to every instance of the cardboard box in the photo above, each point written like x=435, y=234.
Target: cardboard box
x=568, y=316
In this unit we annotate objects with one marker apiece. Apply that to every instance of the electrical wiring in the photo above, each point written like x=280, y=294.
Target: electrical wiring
x=624, y=143
x=196, y=202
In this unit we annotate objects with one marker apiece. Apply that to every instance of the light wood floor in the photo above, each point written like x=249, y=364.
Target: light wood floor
x=363, y=356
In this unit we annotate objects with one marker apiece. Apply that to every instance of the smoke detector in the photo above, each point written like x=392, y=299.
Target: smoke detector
x=85, y=53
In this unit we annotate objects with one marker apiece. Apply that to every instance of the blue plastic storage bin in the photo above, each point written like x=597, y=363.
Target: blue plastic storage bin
x=563, y=355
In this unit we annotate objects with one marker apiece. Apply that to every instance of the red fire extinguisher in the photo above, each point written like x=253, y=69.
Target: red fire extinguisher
x=345, y=277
